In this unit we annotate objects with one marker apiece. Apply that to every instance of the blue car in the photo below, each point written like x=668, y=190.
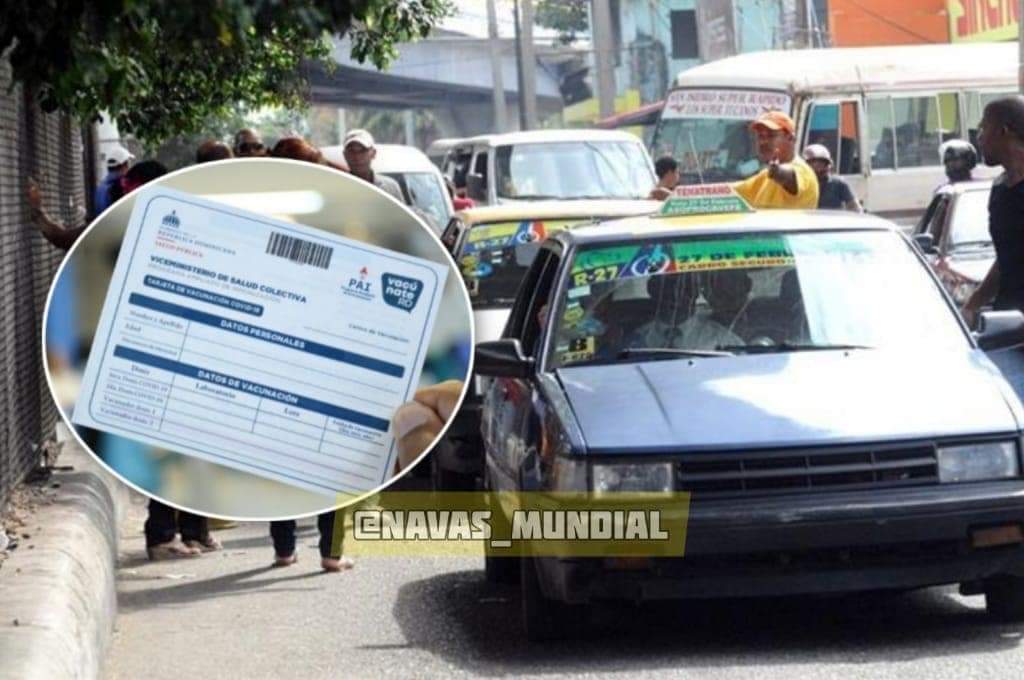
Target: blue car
x=803, y=375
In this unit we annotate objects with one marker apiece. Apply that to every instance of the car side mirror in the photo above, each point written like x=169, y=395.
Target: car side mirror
x=503, y=359
x=1000, y=330
x=925, y=243
x=476, y=187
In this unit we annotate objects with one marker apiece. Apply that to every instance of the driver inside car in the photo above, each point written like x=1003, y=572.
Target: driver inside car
x=676, y=325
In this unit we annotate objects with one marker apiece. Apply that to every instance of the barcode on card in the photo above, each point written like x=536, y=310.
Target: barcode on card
x=299, y=250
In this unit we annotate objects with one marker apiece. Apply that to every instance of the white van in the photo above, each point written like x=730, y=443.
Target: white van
x=881, y=111
x=551, y=165
x=421, y=182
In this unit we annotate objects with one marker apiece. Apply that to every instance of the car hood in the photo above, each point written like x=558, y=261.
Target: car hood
x=973, y=267
x=796, y=399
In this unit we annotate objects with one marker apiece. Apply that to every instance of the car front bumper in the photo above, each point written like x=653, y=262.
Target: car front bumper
x=824, y=543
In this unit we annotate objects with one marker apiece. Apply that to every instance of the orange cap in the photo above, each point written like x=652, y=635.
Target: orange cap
x=775, y=120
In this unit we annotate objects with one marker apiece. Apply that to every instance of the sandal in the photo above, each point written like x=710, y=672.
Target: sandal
x=285, y=560
x=336, y=564
x=206, y=544
x=172, y=550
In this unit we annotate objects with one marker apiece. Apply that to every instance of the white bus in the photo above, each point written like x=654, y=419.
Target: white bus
x=881, y=111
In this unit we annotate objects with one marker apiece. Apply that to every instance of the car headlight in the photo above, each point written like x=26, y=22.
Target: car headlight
x=632, y=477
x=975, y=462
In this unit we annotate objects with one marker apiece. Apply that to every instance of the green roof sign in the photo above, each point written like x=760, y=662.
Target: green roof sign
x=704, y=199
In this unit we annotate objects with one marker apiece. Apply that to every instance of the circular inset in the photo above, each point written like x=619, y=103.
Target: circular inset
x=253, y=325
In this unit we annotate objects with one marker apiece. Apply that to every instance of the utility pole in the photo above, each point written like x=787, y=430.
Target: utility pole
x=601, y=38
x=529, y=67
x=519, y=67
x=497, y=79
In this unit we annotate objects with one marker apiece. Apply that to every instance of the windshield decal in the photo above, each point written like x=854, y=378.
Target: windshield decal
x=619, y=262
x=506, y=234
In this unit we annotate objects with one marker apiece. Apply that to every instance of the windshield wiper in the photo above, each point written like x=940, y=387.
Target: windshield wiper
x=670, y=352
x=791, y=347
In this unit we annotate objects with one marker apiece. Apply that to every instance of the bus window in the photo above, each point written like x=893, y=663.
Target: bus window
x=835, y=126
x=949, y=117
x=917, y=131
x=880, y=134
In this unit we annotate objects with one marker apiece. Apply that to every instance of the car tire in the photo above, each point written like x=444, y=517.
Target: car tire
x=545, y=620
x=1004, y=598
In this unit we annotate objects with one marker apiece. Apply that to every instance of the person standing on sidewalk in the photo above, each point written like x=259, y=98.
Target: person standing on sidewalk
x=1001, y=140
x=163, y=522
x=118, y=160
x=360, y=150
x=786, y=181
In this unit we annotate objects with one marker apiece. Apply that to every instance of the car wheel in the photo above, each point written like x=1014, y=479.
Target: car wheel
x=1004, y=598
x=545, y=619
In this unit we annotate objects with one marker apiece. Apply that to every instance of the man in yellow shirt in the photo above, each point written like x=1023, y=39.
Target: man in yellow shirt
x=788, y=181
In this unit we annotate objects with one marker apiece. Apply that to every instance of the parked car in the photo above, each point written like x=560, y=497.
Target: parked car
x=959, y=248
x=421, y=182
x=493, y=247
x=550, y=165
x=790, y=371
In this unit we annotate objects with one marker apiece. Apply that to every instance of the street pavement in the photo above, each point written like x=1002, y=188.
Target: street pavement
x=229, y=615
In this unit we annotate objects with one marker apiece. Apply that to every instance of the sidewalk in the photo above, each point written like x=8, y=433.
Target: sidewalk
x=58, y=597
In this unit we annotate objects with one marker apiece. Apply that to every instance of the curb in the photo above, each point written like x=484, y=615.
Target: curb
x=63, y=592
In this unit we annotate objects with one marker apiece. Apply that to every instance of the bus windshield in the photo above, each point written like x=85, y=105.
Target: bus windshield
x=706, y=130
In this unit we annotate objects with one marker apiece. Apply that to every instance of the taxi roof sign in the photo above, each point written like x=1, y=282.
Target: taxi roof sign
x=704, y=199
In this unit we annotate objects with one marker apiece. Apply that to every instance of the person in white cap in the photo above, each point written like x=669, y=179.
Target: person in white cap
x=833, y=192
x=360, y=150
x=118, y=160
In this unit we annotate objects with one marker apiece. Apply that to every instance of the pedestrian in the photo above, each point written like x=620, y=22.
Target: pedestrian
x=1001, y=140
x=360, y=150
x=786, y=181
x=298, y=149
x=213, y=150
x=118, y=160
x=163, y=523
x=331, y=524
x=667, y=170
x=248, y=143
x=959, y=157
x=833, y=192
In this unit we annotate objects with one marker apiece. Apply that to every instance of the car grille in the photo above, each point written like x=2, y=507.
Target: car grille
x=807, y=470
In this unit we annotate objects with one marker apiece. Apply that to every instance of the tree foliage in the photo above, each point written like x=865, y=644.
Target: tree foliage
x=162, y=68
x=568, y=17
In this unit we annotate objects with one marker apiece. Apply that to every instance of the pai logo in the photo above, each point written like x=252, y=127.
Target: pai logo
x=359, y=286
x=171, y=220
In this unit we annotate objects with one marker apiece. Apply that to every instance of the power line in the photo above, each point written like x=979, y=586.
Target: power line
x=888, y=22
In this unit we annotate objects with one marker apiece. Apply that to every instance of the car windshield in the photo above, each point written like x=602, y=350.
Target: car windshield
x=574, y=169
x=709, y=297
x=424, y=191
x=494, y=258
x=969, y=224
x=707, y=131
